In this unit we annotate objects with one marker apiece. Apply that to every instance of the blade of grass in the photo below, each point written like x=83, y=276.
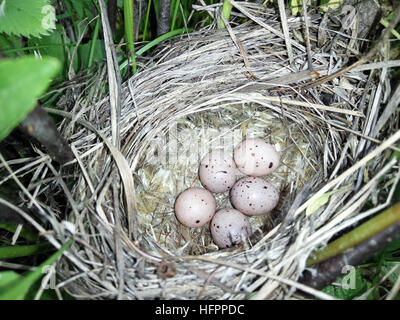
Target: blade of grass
x=146, y=21
x=156, y=7
x=156, y=41
x=25, y=233
x=8, y=277
x=378, y=269
x=10, y=252
x=18, y=289
x=226, y=13
x=385, y=23
x=130, y=32
x=6, y=51
x=361, y=233
x=94, y=39
x=162, y=38
x=176, y=7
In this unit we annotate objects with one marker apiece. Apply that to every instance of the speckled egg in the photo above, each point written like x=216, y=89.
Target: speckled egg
x=194, y=207
x=217, y=171
x=228, y=227
x=255, y=157
x=254, y=196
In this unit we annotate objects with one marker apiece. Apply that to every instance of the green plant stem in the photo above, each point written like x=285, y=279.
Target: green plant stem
x=177, y=2
x=146, y=21
x=129, y=32
x=226, y=13
x=38, y=47
x=10, y=252
x=358, y=235
x=156, y=7
x=93, y=45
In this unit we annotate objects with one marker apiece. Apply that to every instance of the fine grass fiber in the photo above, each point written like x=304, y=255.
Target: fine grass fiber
x=211, y=89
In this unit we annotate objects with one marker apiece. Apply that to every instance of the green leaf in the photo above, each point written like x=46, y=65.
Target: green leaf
x=385, y=23
x=17, y=251
x=22, y=81
x=156, y=41
x=160, y=39
x=84, y=52
x=327, y=5
x=7, y=42
x=348, y=286
x=7, y=278
x=17, y=289
x=393, y=246
x=24, y=233
x=322, y=200
x=129, y=31
x=226, y=13
x=47, y=294
x=318, y=203
x=51, y=45
x=393, y=277
x=296, y=6
x=79, y=8
x=27, y=18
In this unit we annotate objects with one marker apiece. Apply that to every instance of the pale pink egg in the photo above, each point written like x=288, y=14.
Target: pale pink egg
x=229, y=227
x=255, y=157
x=217, y=171
x=254, y=196
x=194, y=207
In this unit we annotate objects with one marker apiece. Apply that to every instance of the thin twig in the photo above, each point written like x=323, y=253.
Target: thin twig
x=239, y=45
x=307, y=36
x=117, y=239
x=114, y=76
x=285, y=29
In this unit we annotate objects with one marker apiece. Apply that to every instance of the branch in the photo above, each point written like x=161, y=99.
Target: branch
x=328, y=271
x=39, y=125
x=365, y=231
x=353, y=248
x=307, y=36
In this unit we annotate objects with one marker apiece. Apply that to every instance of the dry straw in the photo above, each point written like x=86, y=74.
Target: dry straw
x=210, y=89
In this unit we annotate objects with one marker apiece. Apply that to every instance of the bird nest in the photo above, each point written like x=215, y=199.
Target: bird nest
x=206, y=90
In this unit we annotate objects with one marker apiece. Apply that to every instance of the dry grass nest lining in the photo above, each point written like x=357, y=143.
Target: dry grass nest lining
x=197, y=91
